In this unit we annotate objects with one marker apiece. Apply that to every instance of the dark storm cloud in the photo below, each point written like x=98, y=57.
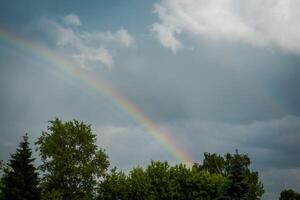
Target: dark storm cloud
x=273, y=146
x=271, y=143
x=209, y=83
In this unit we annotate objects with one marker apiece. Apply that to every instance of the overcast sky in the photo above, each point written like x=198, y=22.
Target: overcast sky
x=219, y=75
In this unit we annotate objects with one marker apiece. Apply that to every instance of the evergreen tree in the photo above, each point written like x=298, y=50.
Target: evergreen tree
x=20, y=179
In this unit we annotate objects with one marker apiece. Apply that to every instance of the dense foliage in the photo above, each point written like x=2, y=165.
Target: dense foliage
x=71, y=160
x=74, y=168
x=20, y=179
x=289, y=195
x=159, y=181
x=228, y=166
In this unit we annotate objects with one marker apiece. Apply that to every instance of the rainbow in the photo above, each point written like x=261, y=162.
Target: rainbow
x=102, y=87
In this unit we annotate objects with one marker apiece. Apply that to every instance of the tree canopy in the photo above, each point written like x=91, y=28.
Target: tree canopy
x=228, y=164
x=71, y=161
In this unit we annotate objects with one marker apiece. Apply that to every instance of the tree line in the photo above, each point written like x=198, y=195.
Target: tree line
x=73, y=167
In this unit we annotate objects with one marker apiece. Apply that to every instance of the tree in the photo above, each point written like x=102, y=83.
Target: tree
x=256, y=189
x=159, y=178
x=205, y=185
x=20, y=179
x=181, y=182
x=1, y=185
x=289, y=195
x=160, y=181
x=139, y=184
x=237, y=187
x=214, y=163
x=114, y=186
x=71, y=161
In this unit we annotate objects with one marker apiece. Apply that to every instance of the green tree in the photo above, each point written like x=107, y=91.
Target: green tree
x=160, y=181
x=159, y=177
x=237, y=187
x=71, y=161
x=289, y=195
x=181, y=183
x=114, y=186
x=256, y=189
x=205, y=185
x=214, y=163
x=20, y=179
x=139, y=184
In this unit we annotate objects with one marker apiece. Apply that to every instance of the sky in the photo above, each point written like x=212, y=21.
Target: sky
x=217, y=75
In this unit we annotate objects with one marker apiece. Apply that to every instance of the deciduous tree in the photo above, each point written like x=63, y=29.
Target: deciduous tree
x=114, y=186
x=71, y=161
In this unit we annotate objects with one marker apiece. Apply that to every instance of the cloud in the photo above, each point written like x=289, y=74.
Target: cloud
x=272, y=143
x=87, y=49
x=166, y=37
x=94, y=55
x=269, y=23
x=121, y=37
x=72, y=19
x=124, y=37
x=273, y=146
x=276, y=180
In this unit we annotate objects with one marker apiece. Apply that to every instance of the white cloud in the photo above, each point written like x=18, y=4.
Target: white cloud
x=86, y=48
x=261, y=23
x=166, y=37
x=94, y=55
x=124, y=37
x=121, y=37
x=72, y=19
